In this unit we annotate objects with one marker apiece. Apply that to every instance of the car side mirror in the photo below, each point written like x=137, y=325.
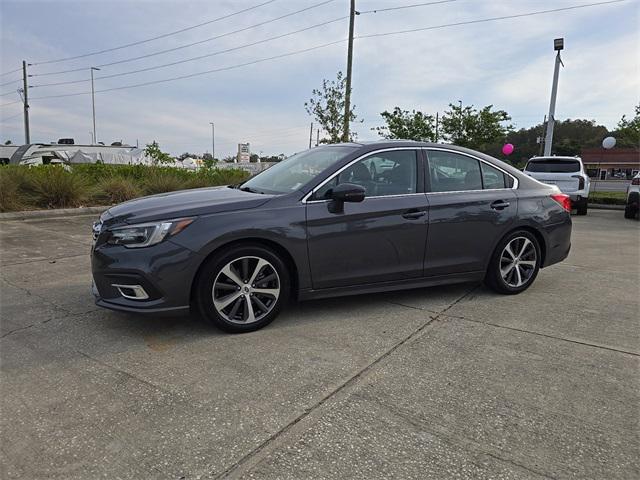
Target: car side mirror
x=344, y=192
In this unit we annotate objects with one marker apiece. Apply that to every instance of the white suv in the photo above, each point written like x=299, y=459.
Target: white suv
x=567, y=173
x=633, y=198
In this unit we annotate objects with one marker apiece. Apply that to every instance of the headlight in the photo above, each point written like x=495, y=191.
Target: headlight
x=147, y=234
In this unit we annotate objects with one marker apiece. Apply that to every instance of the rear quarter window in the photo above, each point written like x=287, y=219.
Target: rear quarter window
x=553, y=166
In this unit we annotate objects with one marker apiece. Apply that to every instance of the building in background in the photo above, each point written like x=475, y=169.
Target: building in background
x=614, y=164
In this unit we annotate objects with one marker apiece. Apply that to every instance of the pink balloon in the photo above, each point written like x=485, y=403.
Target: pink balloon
x=508, y=149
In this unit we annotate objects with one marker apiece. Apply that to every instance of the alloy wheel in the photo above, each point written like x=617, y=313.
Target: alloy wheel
x=246, y=290
x=518, y=262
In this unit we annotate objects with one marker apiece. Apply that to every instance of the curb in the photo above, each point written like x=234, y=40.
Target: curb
x=599, y=206
x=52, y=213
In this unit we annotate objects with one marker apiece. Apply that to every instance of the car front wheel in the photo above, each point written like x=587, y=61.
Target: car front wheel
x=243, y=289
x=514, y=264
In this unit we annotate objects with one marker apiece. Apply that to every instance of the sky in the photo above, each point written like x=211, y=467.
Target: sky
x=507, y=63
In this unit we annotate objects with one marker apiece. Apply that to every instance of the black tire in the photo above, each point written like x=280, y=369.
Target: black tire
x=212, y=270
x=631, y=209
x=581, y=207
x=494, y=278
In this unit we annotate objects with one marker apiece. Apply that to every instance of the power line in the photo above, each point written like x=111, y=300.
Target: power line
x=200, y=57
x=10, y=71
x=10, y=103
x=164, y=35
x=191, y=75
x=232, y=67
x=11, y=81
x=12, y=92
x=377, y=10
x=505, y=17
x=180, y=47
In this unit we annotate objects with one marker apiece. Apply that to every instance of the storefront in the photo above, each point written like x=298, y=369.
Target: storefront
x=614, y=164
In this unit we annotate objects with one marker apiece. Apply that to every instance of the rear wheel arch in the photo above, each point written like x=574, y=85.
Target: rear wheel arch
x=542, y=243
x=275, y=247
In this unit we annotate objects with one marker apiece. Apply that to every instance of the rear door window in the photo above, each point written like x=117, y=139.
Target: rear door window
x=553, y=166
x=452, y=172
x=492, y=177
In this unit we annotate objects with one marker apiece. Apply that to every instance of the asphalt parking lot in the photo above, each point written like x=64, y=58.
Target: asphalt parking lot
x=448, y=382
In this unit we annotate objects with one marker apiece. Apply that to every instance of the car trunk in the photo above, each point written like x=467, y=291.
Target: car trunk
x=562, y=180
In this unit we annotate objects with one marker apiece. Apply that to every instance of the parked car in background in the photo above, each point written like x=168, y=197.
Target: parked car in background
x=632, y=209
x=567, y=173
x=333, y=220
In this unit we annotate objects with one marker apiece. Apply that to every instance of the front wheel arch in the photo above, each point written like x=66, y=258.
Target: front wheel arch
x=248, y=242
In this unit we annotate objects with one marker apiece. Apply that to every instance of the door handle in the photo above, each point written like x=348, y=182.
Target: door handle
x=413, y=214
x=499, y=205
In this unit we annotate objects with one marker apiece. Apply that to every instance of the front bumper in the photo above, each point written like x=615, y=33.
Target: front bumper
x=165, y=273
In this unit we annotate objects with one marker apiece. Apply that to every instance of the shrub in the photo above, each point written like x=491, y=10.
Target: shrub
x=52, y=186
x=116, y=190
x=161, y=180
x=12, y=192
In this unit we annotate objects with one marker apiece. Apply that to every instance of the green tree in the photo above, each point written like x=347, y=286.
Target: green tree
x=229, y=159
x=408, y=125
x=8, y=142
x=628, y=132
x=208, y=160
x=327, y=107
x=153, y=150
x=478, y=129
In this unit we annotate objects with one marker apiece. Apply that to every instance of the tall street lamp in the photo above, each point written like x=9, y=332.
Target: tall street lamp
x=213, y=141
x=93, y=106
x=558, y=46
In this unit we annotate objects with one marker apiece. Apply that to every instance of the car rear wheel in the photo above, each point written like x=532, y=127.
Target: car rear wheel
x=514, y=264
x=243, y=289
x=581, y=207
x=631, y=209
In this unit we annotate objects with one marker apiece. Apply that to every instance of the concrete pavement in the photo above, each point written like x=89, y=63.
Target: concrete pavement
x=449, y=382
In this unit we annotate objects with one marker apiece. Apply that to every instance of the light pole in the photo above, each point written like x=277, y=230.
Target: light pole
x=213, y=141
x=461, y=122
x=558, y=45
x=93, y=106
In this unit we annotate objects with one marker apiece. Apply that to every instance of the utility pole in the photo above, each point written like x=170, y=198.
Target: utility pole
x=317, y=137
x=461, y=122
x=311, y=135
x=437, y=123
x=213, y=141
x=93, y=106
x=347, y=93
x=25, y=101
x=558, y=45
x=541, y=138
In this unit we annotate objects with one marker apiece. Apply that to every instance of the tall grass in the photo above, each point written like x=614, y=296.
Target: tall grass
x=55, y=186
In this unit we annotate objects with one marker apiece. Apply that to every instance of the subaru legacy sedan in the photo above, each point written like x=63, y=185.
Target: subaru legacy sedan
x=334, y=220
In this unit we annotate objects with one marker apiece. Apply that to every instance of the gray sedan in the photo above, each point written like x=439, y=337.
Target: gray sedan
x=334, y=220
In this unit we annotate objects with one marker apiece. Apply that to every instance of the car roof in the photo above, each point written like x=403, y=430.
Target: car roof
x=556, y=157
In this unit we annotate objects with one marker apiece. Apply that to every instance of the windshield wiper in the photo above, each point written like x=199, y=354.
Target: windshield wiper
x=249, y=189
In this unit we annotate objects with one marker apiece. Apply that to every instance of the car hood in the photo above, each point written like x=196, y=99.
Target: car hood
x=183, y=203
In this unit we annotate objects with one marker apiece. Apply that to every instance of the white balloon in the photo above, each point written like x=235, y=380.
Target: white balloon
x=608, y=143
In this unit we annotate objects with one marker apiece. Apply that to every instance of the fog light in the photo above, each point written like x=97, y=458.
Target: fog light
x=132, y=292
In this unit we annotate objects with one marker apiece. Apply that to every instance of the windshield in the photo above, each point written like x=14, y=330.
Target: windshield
x=553, y=166
x=292, y=173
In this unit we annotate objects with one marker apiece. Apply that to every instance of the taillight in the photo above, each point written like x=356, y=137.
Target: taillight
x=580, y=181
x=635, y=181
x=563, y=200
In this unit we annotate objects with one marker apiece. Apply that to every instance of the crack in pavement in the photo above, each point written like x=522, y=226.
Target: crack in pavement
x=546, y=335
x=257, y=454
x=450, y=438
